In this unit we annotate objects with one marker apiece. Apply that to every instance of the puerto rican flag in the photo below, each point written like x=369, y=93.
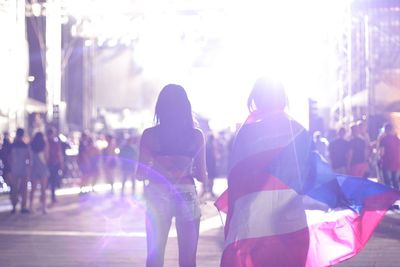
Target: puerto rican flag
x=285, y=206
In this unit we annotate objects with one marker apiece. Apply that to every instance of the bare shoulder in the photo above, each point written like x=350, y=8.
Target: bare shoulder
x=148, y=135
x=149, y=131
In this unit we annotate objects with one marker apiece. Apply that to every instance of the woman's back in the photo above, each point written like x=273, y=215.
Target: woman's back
x=172, y=156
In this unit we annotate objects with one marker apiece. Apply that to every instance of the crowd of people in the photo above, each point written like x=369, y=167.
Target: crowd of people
x=348, y=151
x=40, y=162
x=351, y=152
x=31, y=163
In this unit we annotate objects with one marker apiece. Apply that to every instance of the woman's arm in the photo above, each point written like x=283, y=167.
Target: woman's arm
x=145, y=157
x=199, y=163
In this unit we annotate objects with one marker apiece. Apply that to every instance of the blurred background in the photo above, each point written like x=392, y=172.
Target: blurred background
x=97, y=65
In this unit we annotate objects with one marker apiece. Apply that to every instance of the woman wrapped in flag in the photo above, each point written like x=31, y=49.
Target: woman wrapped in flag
x=284, y=205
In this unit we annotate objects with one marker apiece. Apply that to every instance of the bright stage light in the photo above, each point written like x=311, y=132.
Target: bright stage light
x=219, y=50
x=290, y=39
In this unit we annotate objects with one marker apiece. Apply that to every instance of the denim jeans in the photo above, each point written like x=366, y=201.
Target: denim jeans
x=163, y=203
x=391, y=178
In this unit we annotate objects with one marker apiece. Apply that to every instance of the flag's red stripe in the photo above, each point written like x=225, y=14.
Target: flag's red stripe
x=334, y=242
x=321, y=244
x=268, y=251
x=250, y=176
x=222, y=202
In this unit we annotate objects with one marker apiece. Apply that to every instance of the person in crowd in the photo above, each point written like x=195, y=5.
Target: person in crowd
x=70, y=166
x=378, y=154
x=321, y=145
x=358, y=155
x=94, y=155
x=83, y=161
x=223, y=145
x=276, y=178
x=363, y=132
x=331, y=135
x=171, y=156
x=262, y=167
x=20, y=161
x=339, y=152
x=110, y=160
x=5, y=157
x=55, y=162
x=390, y=157
x=128, y=161
x=211, y=163
x=40, y=172
x=371, y=149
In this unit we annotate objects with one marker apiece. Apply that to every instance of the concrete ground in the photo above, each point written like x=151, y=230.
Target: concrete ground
x=105, y=231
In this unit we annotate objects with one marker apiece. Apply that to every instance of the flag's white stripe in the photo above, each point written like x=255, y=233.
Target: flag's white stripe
x=320, y=216
x=318, y=212
x=266, y=213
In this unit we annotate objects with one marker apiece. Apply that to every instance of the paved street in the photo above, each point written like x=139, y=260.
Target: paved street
x=104, y=230
x=99, y=230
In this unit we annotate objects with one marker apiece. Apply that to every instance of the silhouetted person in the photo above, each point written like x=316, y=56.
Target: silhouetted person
x=358, y=156
x=83, y=161
x=40, y=172
x=339, y=149
x=20, y=161
x=128, y=161
x=94, y=155
x=171, y=155
x=5, y=153
x=55, y=161
x=321, y=145
x=390, y=157
x=264, y=213
x=110, y=160
x=211, y=162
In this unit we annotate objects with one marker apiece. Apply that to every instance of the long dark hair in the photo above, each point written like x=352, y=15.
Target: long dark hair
x=173, y=108
x=38, y=142
x=173, y=116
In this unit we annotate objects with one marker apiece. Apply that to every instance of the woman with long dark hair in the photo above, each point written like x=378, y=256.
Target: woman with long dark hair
x=40, y=172
x=172, y=154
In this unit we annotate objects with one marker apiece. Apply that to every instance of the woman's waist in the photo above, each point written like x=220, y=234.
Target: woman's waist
x=174, y=174
x=168, y=189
